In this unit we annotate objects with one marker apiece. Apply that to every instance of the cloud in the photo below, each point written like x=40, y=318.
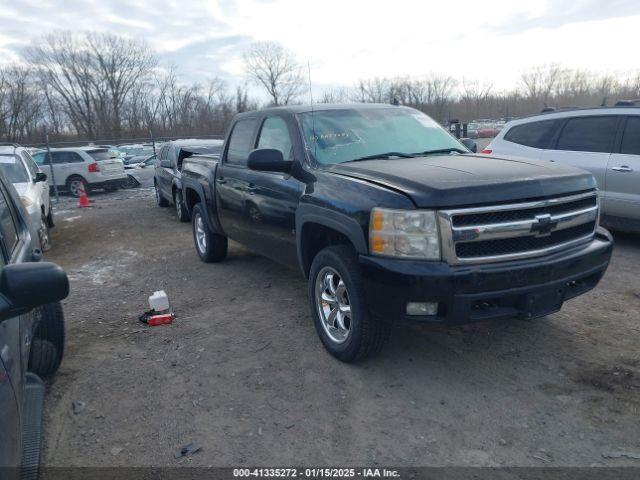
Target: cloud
x=347, y=40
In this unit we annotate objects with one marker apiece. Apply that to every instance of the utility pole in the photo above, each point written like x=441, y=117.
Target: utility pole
x=49, y=160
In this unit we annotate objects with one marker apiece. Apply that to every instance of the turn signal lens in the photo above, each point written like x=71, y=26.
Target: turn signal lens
x=404, y=233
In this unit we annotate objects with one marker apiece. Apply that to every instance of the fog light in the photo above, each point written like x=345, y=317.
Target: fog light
x=419, y=308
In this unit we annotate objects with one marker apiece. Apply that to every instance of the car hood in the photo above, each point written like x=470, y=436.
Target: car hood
x=457, y=180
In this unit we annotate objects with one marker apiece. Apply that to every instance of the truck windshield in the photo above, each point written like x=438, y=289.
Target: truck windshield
x=337, y=136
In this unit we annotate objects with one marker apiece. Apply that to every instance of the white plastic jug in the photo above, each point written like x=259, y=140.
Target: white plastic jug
x=159, y=301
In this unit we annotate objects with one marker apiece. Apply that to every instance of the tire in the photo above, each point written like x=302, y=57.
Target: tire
x=47, y=346
x=214, y=247
x=73, y=185
x=160, y=200
x=44, y=234
x=50, y=221
x=353, y=334
x=182, y=214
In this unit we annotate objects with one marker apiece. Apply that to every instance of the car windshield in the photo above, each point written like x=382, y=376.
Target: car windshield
x=14, y=169
x=337, y=136
x=98, y=155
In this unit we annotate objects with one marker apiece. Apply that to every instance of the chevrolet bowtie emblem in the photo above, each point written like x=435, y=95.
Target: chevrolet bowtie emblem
x=543, y=225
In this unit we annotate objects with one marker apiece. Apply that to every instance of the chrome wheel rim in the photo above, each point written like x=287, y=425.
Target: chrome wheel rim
x=45, y=243
x=74, y=187
x=201, y=234
x=333, y=305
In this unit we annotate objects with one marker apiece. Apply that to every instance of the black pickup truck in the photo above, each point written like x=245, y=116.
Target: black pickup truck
x=390, y=217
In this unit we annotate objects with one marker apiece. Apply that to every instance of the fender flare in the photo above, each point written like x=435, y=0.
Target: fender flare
x=344, y=224
x=211, y=220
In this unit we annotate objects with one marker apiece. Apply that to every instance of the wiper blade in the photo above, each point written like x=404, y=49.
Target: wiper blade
x=441, y=150
x=385, y=155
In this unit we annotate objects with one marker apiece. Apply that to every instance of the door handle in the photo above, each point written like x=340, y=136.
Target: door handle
x=622, y=168
x=221, y=181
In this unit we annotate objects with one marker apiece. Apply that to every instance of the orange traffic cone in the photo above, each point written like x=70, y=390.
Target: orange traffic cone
x=83, y=200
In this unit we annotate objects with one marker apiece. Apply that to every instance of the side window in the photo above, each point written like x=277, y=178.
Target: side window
x=534, y=134
x=588, y=134
x=65, y=157
x=631, y=137
x=240, y=141
x=31, y=166
x=275, y=134
x=8, y=228
x=40, y=157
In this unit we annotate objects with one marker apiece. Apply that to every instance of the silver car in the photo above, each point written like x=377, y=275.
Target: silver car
x=604, y=141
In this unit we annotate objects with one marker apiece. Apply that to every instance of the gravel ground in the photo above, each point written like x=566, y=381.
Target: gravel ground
x=242, y=373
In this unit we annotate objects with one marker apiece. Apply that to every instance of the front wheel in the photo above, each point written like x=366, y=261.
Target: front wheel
x=211, y=247
x=47, y=346
x=338, y=307
x=43, y=233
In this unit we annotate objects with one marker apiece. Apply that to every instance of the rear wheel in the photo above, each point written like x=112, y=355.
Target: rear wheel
x=160, y=200
x=211, y=247
x=75, y=184
x=181, y=209
x=338, y=307
x=47, y=346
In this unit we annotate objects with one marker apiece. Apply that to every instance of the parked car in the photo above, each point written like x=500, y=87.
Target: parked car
x=33, y=190
x=168, y=169
x=604, y=141
x=131, y=150
x=487, y=130
x=31, y=336
x=389, y=217
x=79, y=167
x=140, y=171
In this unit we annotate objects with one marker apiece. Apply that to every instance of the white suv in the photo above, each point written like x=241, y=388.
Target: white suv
x=30, y=183
x=90, y=167
x=604, y=141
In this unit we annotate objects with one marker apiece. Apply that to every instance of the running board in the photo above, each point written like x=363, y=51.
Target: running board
x=32, y=426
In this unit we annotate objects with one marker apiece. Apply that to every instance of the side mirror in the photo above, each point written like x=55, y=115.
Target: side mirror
x=470, y=144
x=166, y=164
x=268, y=160
x=24, y=286
x=40, y=177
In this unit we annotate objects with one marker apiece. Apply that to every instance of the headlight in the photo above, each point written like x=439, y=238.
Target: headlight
x=404, y=233
x=26, y=201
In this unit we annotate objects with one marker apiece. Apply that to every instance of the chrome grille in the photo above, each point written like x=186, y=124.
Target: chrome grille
x=519, y=230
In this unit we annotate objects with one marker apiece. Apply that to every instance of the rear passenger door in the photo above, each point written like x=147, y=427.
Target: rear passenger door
x=623, y=174
x=586, y=142
x=67, y=164
x=167, y=164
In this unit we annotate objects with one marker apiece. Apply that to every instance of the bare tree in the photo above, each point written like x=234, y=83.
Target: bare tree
x=273, y=67
x=475, y=95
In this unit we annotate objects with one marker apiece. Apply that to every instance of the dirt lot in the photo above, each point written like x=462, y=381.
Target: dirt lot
x=242, y=372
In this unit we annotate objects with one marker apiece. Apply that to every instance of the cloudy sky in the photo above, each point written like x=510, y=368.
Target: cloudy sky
x=347, y=40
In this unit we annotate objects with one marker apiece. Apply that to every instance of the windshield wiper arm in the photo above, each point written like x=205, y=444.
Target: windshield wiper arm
x=385, y=155
x=441, y=150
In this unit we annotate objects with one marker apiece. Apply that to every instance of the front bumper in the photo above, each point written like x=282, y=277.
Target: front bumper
x=526, y=289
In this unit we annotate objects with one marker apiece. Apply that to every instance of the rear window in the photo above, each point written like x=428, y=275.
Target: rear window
x=14, y=169
x=98, y=155
x=534, y=134
x=631, y=137
x=588, y=134
x=240, y=142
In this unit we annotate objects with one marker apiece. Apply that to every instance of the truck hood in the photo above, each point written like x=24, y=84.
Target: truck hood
x=460, y=180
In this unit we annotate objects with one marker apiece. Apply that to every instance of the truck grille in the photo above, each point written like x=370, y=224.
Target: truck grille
x=522, y=230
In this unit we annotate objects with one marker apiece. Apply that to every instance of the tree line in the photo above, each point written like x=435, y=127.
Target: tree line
x=101, y=86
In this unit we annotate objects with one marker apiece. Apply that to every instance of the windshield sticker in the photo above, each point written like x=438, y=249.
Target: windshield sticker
x=10, y=159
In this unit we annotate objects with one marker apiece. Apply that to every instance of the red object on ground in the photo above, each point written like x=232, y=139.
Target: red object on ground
x=163, y=319
x=83, y=200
